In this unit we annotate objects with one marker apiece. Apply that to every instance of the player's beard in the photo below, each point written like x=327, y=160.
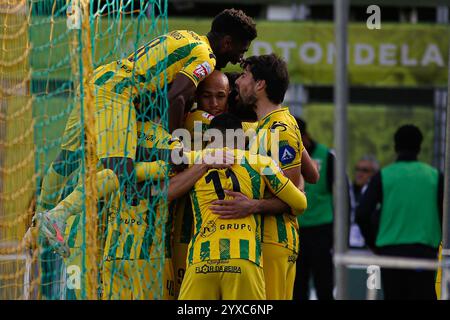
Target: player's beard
x=245, y=108
x=243, y=112
x=247, y=102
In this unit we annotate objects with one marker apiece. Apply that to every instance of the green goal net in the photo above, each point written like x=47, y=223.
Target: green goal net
x=55, y=125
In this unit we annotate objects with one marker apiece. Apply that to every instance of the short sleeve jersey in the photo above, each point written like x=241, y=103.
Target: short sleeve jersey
x=143, y=231
x=156, y=64
x=200, y=118
x=280, y=230
x=219, y=239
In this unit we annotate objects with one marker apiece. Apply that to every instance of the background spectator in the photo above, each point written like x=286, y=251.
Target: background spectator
x=410, y=194
x=365, y=168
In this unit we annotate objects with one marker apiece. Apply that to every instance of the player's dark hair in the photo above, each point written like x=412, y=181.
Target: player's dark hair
x=232, y=77
x=301, y=125
x=234, y=23
x=273, y=71
x=242, y=112
x=225, y=121
x=408, y=138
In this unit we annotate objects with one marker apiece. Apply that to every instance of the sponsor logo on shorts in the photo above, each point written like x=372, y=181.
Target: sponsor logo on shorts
x=217, y=269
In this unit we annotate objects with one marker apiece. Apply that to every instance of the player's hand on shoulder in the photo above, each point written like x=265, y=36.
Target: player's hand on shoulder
x=239, y=207
x=219, y=159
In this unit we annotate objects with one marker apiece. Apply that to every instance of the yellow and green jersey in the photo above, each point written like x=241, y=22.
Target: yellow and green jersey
x=200, y=116
x=280, y=229
x=140, y=232
x=137, y=232
x=73, y=232
x=156, y=63
x=249, y=126
x=127, y=238
x=219, y=239
x=154, y=142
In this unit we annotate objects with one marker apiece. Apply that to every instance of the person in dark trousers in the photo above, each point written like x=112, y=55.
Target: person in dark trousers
x=365, y=169
x=400, y=214
x=316, y=226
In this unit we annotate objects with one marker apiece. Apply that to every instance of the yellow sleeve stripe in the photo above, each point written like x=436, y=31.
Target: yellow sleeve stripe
x=281, y=189
x=195, y=81
x=293, y=165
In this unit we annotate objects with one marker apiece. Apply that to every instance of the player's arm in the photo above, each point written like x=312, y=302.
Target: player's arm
x=241, y=206
x=285, y=187
x=154, y=170
x=185, y=83
x=123, y=167
x=309, y=170
x=181, y=91
x=293, y=174
x=149, y=169
x=278, y=205
x=181, y=183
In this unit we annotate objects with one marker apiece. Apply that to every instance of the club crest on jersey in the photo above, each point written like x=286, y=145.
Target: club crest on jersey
x=208, y=229
x=202, y=71
x=287, y=154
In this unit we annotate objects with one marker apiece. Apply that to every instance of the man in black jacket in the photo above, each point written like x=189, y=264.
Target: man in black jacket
x=400, y=215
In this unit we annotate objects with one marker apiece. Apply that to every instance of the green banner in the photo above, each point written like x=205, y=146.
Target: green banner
x=395, y=55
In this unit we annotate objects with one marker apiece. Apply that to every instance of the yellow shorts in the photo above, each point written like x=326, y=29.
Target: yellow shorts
x=279, y=271
x=115, y=127
x=208, y=280
x=137, y=280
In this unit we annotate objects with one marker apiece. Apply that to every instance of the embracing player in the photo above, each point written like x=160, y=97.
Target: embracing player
x=262, y=86
x=120, y=88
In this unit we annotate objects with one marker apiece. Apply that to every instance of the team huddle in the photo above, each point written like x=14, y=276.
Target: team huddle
x=226, y=227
